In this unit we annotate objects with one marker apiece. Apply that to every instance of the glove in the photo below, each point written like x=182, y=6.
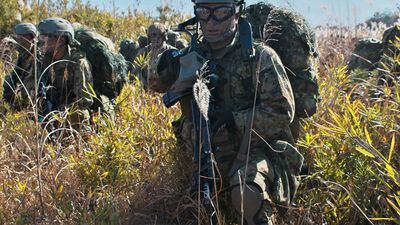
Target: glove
x=220, y=118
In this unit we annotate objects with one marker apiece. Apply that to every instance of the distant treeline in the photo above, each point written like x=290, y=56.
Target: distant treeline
x=118, y=25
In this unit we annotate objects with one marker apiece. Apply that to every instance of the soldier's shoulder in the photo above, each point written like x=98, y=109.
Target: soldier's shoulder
x=263, y=50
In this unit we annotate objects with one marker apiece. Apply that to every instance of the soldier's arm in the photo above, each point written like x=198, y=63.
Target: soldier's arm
x=274, y=110
x=83, y=84
x=9, y=87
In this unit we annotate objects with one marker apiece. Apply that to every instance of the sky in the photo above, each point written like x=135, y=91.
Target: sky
x=318, y=12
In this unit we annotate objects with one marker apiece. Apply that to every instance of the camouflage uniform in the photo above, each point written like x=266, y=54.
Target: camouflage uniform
x=13, y=83
x=366, y=55
x=273, y=167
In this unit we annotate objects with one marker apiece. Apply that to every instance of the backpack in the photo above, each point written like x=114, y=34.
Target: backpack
x=294, y=41
x=366, y=54
x=109, y=68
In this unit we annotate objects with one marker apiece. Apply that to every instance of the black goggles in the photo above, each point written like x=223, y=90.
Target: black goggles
x=219, y=13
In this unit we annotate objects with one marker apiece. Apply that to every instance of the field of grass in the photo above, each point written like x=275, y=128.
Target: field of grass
x=130, y=170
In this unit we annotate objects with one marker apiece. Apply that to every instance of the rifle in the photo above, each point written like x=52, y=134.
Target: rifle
x=47, y=107
x=203, y=156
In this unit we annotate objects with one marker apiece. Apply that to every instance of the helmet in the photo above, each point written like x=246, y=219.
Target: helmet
x=173, y=36
x=218, y=1
x=57, y=26
x=25, y=29
x=143, y=41
x=128, y=48
x=127, y=43
x=157, y=28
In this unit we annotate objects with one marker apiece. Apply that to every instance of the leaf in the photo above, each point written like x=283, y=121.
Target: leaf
x=104, y=175
x=364, y=152
x=396, y=208
x=60, y=189
x=391, y=150
x=367, y=136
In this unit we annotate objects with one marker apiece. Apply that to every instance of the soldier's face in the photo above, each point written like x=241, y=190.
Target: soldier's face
x=217, y=20
x=49, y=44
x=24, y=41
x=156, y=38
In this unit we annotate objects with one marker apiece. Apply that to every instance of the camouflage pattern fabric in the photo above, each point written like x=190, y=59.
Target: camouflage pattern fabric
x=147, y=74
x=70, y=81
x=293, y=39
x=143, y=41
x=110, y=67
x=290, y=35
x=274, y=171
x=257, y=15
x=129, y=49
x=366, y=54
x=172, y=38
x=13, y=91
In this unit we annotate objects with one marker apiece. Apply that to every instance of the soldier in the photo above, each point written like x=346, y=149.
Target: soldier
x=67, y=74
x=253, y=106
x=129, y=49
x=172, y=37
x=143, y=41
x=366, y=55
x=25, y=35
x=157, y=34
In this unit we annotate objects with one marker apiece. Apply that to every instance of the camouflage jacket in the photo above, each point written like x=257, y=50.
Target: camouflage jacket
x=69, y=80
x=274, y=108
x=19, y=74
x=147, y=71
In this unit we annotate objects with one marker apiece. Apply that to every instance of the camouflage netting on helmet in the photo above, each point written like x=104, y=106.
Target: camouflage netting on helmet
x=290, y=35
x=257, y=15
x=366, y=54
x=109, y=69
x=129, y=49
